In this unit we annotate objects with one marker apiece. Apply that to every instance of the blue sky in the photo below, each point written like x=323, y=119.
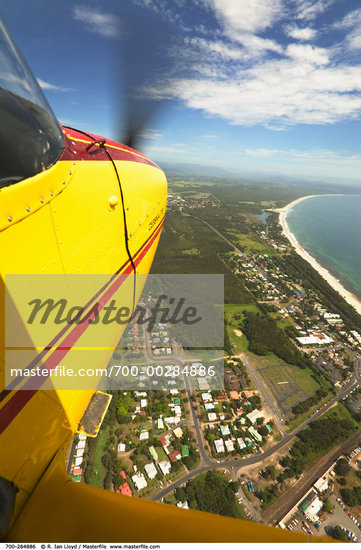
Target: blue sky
x=253, y=86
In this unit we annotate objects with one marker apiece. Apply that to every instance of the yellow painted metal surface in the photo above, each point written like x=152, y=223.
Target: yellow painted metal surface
x=145, y=198
x=90, y=233
x=66, y=220
x=65, y=511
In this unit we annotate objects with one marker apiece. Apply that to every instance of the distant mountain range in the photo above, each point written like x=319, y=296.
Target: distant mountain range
x=215, y=172
x=189, y=169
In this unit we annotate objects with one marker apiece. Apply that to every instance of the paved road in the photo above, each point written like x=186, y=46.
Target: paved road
x=279, y=509
x=206, y=461
x=235, y=465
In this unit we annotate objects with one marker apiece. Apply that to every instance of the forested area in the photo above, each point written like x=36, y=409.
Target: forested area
x=265, y=336
x=188, y=245
x=351, y=497
x=211, y=492
x=318, y=438
x=309, y=402
x=339, y=534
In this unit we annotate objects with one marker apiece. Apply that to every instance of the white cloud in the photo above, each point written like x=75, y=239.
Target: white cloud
x=274, y=127
x=209, y=70
x=262, y=152
x=150, y=134
x=275, y=93
x=210, y=136
x=306, y=33
x=216, y=47
x=53, y=87
x=105, y=24
x=309, y=164
x=246, y=77
x=257, y=45
x=205, y=31
x=318, y=156
x=310, y=9
x=350, y=20
x=214, y=58
x=307, y=53
x=246, y=16
x=163, y=9
x=354, y=40
x=243, y=19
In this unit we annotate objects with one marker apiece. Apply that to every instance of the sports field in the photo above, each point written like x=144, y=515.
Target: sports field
x=288, y=384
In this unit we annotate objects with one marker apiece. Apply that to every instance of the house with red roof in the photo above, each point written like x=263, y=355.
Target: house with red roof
x=122, y=474
x=175, y=455
x=221, y=397
x=125, y=489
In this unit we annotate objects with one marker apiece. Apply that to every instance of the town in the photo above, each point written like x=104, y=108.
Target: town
x=282, y=435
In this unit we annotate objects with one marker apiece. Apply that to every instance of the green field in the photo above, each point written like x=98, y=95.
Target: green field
x=99, y=470
x=239, y=343
x=288, y=384
x=233, y=310
x=249, y=243
x=283, y=323
x=234, y=315
x=342, y=413
x=176, y=184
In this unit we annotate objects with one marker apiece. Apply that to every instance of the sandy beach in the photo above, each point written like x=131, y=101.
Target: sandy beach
x=333, y=282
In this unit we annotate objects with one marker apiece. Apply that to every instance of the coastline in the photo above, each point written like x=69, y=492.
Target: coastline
x=325, y=274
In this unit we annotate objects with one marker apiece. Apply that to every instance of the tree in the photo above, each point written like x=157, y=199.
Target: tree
x=349, y=497
x=107, y=483
x=263, y=431
x=181, y=494
x=260, y=421
x=338, y=533
x=211, y=493
x=234, y=485
x=272, y=471
x=328, y=506
x=342, y=467
x=341, y=481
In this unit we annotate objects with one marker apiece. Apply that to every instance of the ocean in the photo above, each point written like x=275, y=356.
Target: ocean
x=329, y=228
